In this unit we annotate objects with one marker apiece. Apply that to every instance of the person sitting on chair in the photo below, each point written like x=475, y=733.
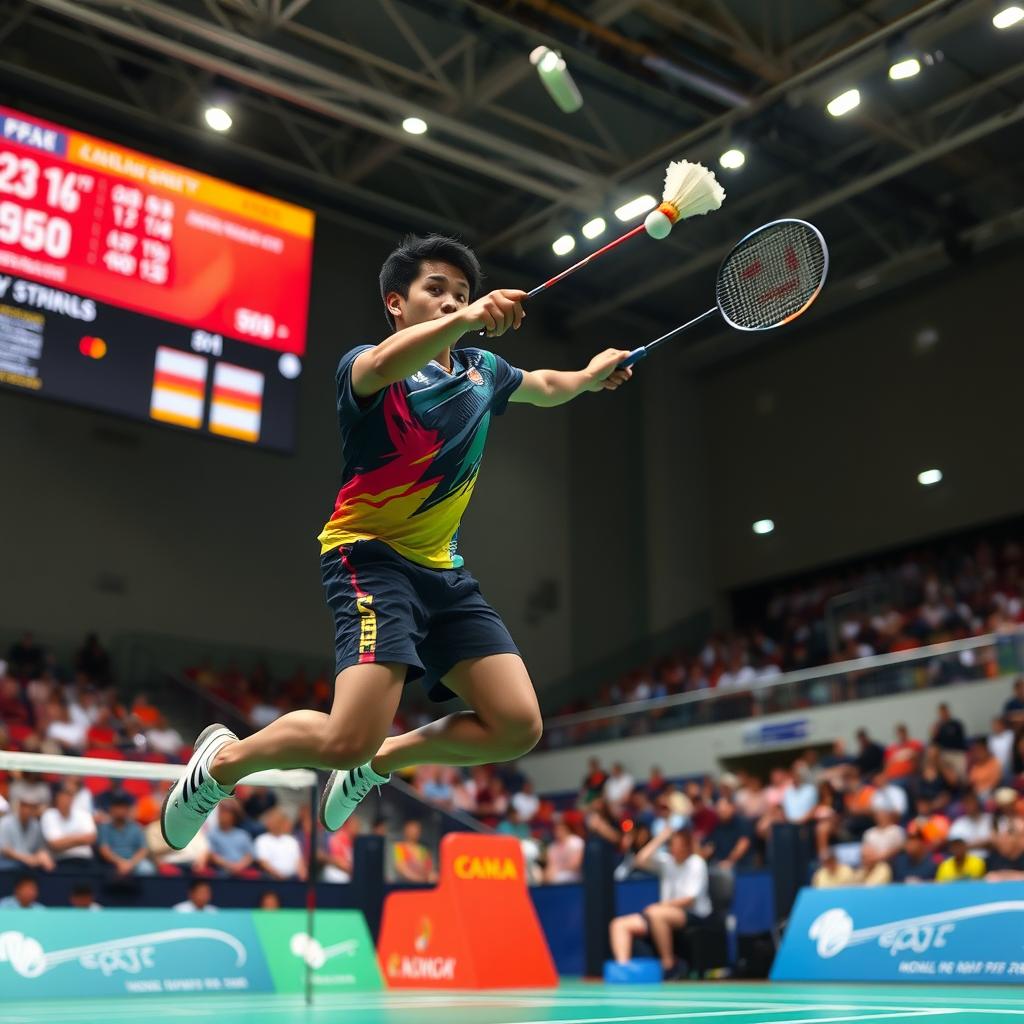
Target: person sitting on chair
x=684, y=897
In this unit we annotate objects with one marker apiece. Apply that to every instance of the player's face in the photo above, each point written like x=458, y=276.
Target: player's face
x=438, y=290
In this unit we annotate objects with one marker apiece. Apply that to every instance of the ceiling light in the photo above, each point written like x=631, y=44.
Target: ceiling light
x=844, y=103
x=563, y=245
x=929, y=477
x=635, y=207
x=906, y=68
x=414, y=125
x=594, y=227
x=217, y=118
x=1008, y=17
x=763, y=526
x=732, y=158
x=555, y=77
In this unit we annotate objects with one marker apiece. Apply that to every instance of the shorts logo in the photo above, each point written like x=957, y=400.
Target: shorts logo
x=474, y=375
x=367, y=624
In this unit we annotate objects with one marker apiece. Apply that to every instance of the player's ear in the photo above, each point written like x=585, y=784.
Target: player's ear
x=394, y=303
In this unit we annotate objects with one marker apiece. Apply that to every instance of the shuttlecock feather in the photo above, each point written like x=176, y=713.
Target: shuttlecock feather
x=690, y=190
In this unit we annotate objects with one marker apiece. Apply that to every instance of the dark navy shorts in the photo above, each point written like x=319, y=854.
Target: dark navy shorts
x=388, y=609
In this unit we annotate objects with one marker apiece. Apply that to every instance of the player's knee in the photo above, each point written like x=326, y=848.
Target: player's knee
x=348, y=751
x=522, y=734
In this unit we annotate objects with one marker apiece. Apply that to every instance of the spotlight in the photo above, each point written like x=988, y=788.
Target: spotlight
x=555, y=77
x=732, y=159
x=763, y=526
x=217, y=118
x=1008, y=17
x=929, y=477
x=844, y=103
x=633, y=209
x=564, y=245
x=414, y=125
x=594, y=227
x=905, y=68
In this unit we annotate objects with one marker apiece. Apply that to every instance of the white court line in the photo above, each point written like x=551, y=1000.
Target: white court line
x=875, y=1016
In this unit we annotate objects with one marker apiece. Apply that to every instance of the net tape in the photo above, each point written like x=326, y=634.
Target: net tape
x=772, y=275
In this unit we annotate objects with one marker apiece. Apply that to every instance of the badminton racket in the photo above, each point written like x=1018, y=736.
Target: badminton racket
x=768, y=279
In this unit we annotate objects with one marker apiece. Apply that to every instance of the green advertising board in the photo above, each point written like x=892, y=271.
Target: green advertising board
x=52, y=954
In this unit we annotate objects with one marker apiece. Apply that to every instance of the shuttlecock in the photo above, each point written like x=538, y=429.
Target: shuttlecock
x=657, y=224
x=690, y=190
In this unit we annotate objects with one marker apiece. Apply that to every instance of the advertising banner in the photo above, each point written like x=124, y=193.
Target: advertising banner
x=964, y=931
x=53, y=954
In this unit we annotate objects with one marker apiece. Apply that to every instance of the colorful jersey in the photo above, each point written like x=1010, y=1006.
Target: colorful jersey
x=412, y=454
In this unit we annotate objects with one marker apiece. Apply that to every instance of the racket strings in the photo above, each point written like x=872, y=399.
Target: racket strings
x=772, y=276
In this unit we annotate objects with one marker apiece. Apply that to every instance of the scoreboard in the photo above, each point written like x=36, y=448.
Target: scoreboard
x=139, y=287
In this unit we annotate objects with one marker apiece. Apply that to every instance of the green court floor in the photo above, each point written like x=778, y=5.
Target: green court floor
x=572, y=1003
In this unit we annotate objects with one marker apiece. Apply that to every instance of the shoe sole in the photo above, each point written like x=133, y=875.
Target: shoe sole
x=323, y=801
x=197, y=750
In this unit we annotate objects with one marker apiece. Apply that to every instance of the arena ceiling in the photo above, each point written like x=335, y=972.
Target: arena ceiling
x=922, y=175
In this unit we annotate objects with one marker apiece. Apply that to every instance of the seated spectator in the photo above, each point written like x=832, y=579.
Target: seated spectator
x=1008, y=831
x=903, y=757
x=411, y=859
x=871, y=756
x=873, y=869
x=1000, y=744
x=68, y=735
x=729, y=845
x=121, y=843
x=93, y=661
x=974, y=826
x=25, y=895
x=14, y=710
x=618, y=787
x=914, y=863
x=961, y=865
x=949, y=736
x=885, y=837
x=433, y=785
x=799, y=796
x=564, y=856
x=1013, y=709
x=593, y=782
x=337, y=863
x=231, y=847
x=83, y=897
x=526, y=802
x=684, y=896
x=21, y=837
x=890, y=797
x=199, y=901
x=25, y=658
x=277, y=851
x=162, y=739
x=69, y=833
x=833, y=873
x=144, y=714
x=930, y=825
x=984, y=772
x=656, y=782
x=269, y=900
x=601, y=821
x=513, y=825
x=937, y=783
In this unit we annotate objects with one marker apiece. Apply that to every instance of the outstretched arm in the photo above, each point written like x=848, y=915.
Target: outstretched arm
x=547, y=388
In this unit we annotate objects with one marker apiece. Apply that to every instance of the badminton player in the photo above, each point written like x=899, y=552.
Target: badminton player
x=414, y=412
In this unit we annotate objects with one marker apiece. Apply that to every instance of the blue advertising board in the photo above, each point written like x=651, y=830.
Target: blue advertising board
x=963, y=931
x=47, y=954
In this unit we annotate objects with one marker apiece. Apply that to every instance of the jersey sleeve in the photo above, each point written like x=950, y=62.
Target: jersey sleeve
x=352, y=408
x=507, y=379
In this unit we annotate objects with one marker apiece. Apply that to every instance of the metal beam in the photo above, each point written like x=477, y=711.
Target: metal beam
x=489, y=167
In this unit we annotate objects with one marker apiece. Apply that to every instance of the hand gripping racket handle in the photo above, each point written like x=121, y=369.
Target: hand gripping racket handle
x=634, y=357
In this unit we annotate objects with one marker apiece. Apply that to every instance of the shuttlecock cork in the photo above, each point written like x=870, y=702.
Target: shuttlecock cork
x=690, y=190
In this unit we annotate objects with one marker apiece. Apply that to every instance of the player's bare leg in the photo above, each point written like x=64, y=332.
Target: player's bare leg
x=365, y=701
x=504, y=721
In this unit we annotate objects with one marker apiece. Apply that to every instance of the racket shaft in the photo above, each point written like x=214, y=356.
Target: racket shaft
x=644, y=350
x=583, y=262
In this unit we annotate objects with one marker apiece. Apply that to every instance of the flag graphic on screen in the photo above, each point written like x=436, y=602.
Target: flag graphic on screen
x=179, y=387
x=237, y=404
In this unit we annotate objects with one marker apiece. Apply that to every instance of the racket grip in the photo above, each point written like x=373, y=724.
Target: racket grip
x=634, y=357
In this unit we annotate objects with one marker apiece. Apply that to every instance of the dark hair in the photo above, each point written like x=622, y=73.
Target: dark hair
x=82, y=889
x=22, y=879
x=402, y=267
x=196, y=882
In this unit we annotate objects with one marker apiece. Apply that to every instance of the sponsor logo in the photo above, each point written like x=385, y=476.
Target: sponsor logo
x=833, y=931
x=130, y=955
x=420, y=377
x=436, y=968
x=495, y=869
x=423, y=939
x=367, y=624
x=474, y=375
x=310, y=952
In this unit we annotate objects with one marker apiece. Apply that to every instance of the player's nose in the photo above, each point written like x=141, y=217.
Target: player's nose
x=449, y=306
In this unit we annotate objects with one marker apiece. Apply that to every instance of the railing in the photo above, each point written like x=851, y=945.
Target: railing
x=958, y=661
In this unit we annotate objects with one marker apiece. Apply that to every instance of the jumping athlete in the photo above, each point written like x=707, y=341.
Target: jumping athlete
x=414, y=414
